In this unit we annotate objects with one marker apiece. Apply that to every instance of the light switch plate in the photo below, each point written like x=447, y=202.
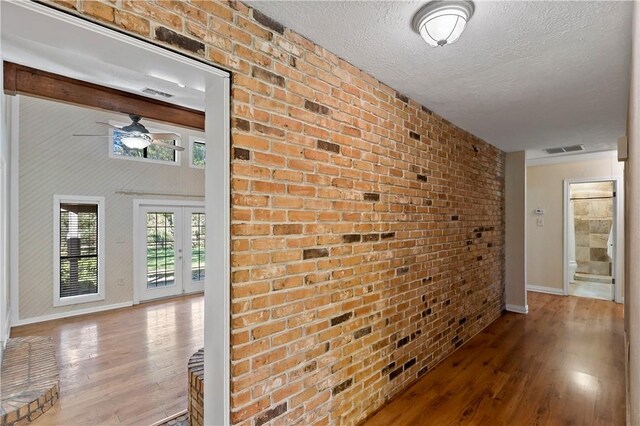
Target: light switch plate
x=540, y=221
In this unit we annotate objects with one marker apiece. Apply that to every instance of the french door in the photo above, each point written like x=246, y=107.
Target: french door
x=170, y=250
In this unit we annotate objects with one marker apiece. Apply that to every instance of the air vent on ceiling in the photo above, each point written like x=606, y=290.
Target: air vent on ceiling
x=154, y=92
x=563, y=149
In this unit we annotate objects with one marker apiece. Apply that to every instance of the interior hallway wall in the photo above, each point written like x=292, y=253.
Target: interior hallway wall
x=545, y=190
x=515, y=232
x=632, y=204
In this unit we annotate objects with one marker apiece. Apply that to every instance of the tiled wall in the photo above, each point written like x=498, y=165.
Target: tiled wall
x=367, y=233
x=593, y=215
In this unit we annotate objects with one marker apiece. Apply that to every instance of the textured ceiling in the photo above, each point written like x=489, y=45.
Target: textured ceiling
x=524, y=75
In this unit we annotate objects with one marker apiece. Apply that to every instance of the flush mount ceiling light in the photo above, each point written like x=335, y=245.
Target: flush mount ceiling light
x=440, y=22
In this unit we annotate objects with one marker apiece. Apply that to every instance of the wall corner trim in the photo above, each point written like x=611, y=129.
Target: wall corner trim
x=544, y=289
x=518, y=309
x=7, y=330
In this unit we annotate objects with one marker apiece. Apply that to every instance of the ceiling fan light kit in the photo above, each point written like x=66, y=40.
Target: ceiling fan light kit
x=136, y=136
x=136, y=142
x=441, y=22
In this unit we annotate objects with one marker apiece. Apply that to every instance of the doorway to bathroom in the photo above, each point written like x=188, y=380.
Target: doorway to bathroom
x=591, y=238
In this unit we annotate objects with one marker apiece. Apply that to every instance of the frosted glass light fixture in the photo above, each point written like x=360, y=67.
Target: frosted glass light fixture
x=136, y=142
x=440, y=22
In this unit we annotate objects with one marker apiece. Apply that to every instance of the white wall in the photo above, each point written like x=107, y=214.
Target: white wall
x=52, y=161
x=515, y=232
x=5, y=185
x=632, y=203
x=545, y=190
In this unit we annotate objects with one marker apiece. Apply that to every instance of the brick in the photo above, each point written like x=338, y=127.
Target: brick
x=168, y=36
x=402, y=97
x=251, y=142
x=100, y=11
x=341, y=318
x=351, y=238
x=287, y=229
x=268, y=76
x=241, y=154
x=315, y=107
x=342, y=386
x=362, y=332
x=267, y=21
x=240, y=124
x=315, y=253
x=328, y=146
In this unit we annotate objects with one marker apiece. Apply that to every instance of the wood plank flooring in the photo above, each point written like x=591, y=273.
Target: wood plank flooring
x=562, y=364
x=127, y=366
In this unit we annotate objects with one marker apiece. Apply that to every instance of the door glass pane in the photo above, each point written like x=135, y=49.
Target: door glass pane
x=197, y=246
x=160, y=249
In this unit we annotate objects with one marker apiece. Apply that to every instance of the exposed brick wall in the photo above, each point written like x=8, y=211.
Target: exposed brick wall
x=196, y=389
x=368, y=233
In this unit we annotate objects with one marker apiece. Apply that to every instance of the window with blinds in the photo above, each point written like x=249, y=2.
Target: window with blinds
x=79, y=250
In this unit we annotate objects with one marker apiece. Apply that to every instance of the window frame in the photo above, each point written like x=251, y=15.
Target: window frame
x=83, y=298
x=112, y=154
x=192, y=141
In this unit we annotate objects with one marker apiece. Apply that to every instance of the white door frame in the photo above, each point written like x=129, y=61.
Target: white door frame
x=217, y=203
x=138, y=204
x=618, y=233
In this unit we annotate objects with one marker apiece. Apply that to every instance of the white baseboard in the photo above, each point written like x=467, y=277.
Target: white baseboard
x=519, y=309
x=543, y=289
x=71, y=313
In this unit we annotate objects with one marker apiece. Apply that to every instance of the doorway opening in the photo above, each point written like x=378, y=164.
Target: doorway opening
x=42, y=38
x=591, y=226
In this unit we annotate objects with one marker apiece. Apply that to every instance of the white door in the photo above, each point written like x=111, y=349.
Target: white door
x=170, y=258
x=160, y=255
x=193, y=263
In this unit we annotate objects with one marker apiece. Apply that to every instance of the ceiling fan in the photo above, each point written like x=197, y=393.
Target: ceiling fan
x=138, y=137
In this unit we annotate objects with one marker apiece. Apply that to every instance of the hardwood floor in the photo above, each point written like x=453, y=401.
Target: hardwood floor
x=127, y=366
x=562, y=364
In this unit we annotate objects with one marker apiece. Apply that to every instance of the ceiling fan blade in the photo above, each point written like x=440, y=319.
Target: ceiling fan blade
x=164, y=136
x=166, y=145
x=99, y=136
x=110, y=125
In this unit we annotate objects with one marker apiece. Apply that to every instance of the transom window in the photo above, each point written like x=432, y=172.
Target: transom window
x=151, y=153
x=198, y=153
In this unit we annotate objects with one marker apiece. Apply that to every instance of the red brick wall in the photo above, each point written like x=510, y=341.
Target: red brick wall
x=368, y=232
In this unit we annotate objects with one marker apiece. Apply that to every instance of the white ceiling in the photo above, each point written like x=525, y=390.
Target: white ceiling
x=70, y=50
x=524, y=75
